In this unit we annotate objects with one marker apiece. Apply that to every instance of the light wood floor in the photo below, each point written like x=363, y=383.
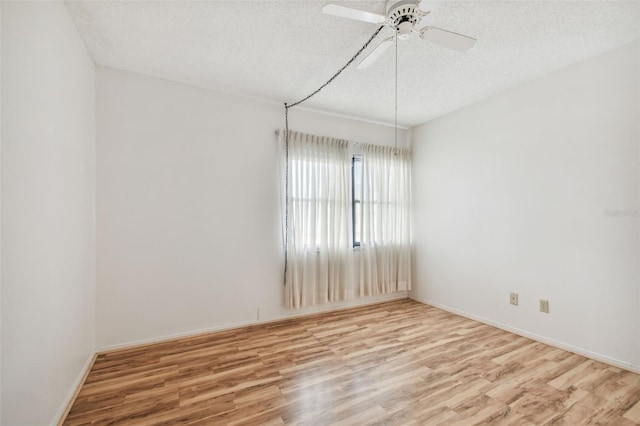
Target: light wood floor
x=397, y=363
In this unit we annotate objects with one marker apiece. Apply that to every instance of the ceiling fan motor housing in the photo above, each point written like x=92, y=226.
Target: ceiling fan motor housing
x=403, y=11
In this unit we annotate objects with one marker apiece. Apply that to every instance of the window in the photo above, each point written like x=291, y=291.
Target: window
x=347, y=208
x=356, y=193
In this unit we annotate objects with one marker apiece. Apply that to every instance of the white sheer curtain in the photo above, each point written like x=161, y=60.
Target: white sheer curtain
x=319, y=220
x=385, y=247
x=324, y=263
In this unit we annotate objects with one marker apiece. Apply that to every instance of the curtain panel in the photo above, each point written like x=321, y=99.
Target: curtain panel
x=385, y=246
x=322, y=264
x=317, y=241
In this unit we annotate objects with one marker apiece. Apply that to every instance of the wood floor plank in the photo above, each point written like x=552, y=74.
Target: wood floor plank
x=395, y=363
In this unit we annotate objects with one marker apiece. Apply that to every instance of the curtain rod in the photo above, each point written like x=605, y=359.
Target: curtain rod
x=359, y=144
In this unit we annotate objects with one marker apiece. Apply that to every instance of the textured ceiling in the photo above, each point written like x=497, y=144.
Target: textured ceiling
x=282, y=50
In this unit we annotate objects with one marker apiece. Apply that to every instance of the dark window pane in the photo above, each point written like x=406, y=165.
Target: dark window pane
x=356, y=193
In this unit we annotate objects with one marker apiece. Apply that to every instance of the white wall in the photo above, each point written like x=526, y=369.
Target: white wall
x=188, y=225
x=511, y=195
x=0, y=212
x=48, y=211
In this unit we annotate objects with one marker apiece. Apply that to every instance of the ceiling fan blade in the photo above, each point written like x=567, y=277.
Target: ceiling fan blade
x=358, y=15
x=447, y=38
x=430, y=5
x=375, y=53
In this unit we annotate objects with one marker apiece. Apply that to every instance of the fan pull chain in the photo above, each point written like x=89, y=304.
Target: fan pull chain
x=286, y=144
x=396, y=99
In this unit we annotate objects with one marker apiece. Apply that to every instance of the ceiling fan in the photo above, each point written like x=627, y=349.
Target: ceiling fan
x=404, y=16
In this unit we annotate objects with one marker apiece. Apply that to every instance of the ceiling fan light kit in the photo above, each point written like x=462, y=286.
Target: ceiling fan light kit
x=404, y=16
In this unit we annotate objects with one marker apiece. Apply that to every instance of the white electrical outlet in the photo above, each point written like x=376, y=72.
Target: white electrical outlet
x=544, y=306
x=513, y=298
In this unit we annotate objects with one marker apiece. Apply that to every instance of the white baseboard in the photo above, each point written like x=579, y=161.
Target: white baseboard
x=551, y=342
x=61, y=415
x=224, y=327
